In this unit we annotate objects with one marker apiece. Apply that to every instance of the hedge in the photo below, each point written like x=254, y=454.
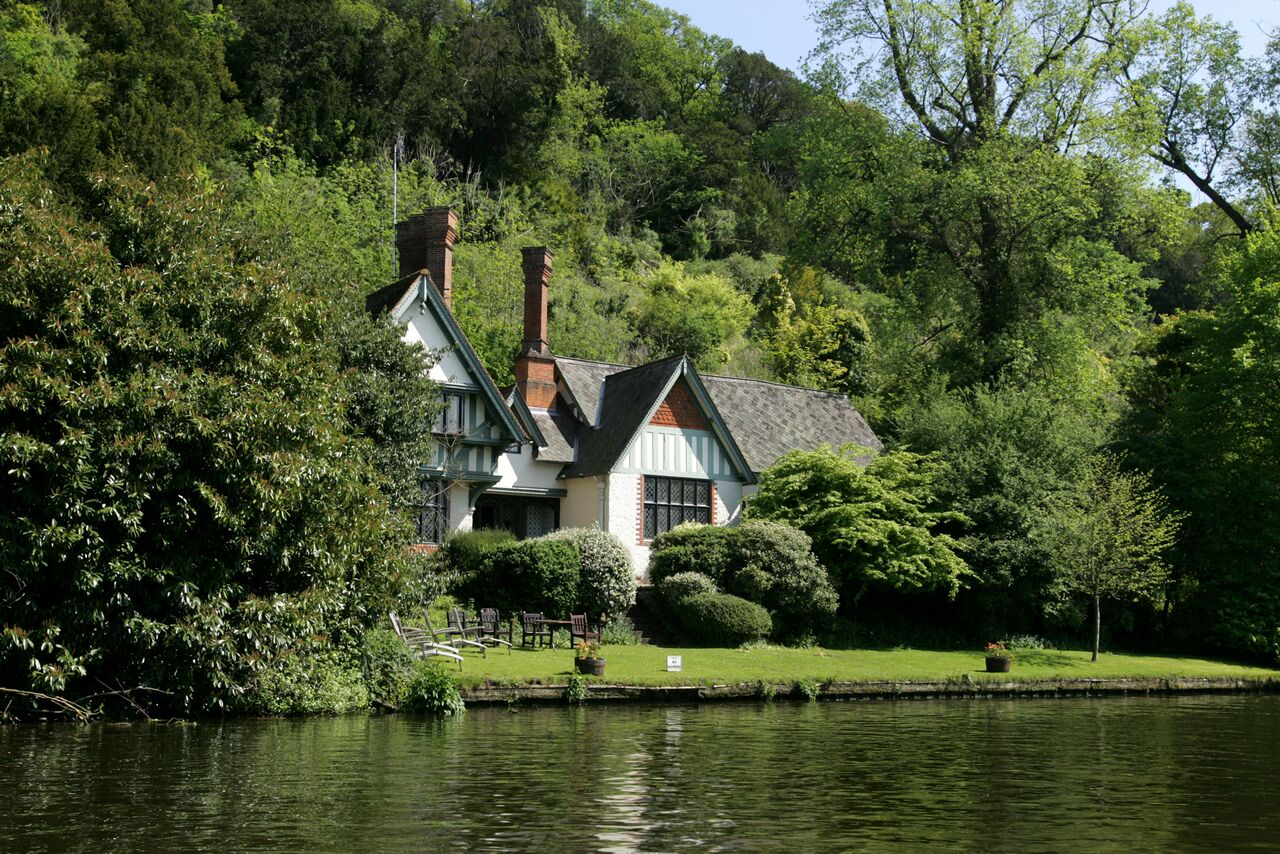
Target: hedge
x=531, y=575
x=675, y=588
x=721, y=619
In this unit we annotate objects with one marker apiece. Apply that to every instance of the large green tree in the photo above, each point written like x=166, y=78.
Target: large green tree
x=186, y=506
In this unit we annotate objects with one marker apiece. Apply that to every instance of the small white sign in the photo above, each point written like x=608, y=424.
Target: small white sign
x=674, y=664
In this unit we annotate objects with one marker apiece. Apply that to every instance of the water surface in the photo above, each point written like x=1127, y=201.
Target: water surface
x=1001, y=775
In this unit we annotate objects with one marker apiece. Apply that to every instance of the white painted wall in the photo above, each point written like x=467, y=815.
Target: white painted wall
x=624, y=519
x=422, y=327
x=728, y=502
x=459, y=508
x=675, y=452
x=524, y=470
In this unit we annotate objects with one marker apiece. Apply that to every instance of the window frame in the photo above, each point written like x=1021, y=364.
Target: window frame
x=433, y=512
x=452, y=420
x=695, y=504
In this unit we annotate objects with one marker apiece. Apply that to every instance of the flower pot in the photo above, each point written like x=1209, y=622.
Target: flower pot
x=998, y=665
x=590, y=666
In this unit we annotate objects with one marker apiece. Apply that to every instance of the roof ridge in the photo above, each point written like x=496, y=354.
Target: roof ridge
x=594, y=362
x=774, y=383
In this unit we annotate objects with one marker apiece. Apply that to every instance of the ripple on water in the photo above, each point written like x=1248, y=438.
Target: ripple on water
x=1098, y=775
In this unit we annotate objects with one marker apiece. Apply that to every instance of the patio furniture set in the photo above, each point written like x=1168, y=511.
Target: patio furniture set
x=464, y=631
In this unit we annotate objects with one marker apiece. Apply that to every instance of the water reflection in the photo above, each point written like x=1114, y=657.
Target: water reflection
x=1106, y=775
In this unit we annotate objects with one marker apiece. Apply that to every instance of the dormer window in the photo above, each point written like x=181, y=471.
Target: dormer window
x=450, y=421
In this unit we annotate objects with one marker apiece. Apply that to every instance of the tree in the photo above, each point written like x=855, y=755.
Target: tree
x=1109, y=538
x=873, y=526
x=697, y=315
x=1203, y=419
x=185, y=507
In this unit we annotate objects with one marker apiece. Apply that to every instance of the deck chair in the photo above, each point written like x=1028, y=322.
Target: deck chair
x=492, y=629
x=532, y=630
x=578, y=629
x=421, y=642
x=453, y=635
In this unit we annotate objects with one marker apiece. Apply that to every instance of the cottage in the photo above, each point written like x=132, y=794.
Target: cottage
x=634, y=449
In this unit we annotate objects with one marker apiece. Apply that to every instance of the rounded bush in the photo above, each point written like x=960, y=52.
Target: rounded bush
x=721, y=619
x=461, y=560
x=682, y=585
x=531, y=575
x=707, y=549
x=606, y=578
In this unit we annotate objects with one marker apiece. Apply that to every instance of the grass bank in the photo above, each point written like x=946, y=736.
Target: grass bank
x=646, y=666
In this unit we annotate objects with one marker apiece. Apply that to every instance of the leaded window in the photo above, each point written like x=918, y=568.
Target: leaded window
x=668, y=501
x=433, y=517
x=451, y=419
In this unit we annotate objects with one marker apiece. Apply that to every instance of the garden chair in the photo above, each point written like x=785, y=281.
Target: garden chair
x=532, y=631
x=467, y=631
x=454, y=636
x=421, y=642
x=492, y=629
x=578, y=629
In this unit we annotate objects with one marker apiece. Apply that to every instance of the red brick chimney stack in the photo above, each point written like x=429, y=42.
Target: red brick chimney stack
x=535, y=369
x=425, y=242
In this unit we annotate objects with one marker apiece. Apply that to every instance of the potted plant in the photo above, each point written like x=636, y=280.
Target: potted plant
x=998, y=658
x=588, y=659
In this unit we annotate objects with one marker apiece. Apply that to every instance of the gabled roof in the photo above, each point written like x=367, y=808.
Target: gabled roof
x=627, y=402
x=397, y=298
x=766, y=419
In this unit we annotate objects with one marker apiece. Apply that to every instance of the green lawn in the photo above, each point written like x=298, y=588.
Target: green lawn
x=646, y=665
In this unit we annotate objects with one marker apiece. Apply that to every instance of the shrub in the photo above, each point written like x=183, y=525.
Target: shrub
x=619, y=632
x=607, y=579
x=765, y=562
x=460, y=561
x=322, y=684
x=388, y=666
x=575, y=689
x=433, y=691
x=533, y=575
x=682, y=585
x=707, y=549
x=719, y=619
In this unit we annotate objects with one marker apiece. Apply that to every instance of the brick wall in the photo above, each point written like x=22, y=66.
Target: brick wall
x=679, y=410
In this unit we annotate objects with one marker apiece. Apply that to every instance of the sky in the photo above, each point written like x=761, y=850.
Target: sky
x=781, y=29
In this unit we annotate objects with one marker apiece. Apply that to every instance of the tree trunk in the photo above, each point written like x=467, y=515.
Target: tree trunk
x=1097, y=625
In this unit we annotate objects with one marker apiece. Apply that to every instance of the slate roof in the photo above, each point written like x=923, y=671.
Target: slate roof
x=559, y=431
x=765, y=419
x=623, y=402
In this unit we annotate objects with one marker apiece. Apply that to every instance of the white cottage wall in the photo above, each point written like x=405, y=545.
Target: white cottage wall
x=421, y=327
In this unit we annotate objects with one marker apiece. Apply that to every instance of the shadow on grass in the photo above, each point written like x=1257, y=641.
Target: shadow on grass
x=1044, y=657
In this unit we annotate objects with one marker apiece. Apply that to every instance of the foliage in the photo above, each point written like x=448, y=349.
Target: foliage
x=186, y=509
x=720, y=619
x=531, y=575
x=586, y=649
x=1109, y=539
x=808, y=688
x=575, y=689
x=461, y=559
x=388, y=666
x=876, y=525
x=764, y=562
x=322, y=685
x=619, y=631
x=691, y=314
x=606, y=580
x=681, y=585
x=766, y=691
x=433, y=691
x=997, y=650
x=1204, y=424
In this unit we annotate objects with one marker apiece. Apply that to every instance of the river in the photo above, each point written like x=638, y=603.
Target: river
x=1186, y=773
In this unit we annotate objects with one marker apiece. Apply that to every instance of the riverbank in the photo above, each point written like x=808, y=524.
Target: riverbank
x=639, y=673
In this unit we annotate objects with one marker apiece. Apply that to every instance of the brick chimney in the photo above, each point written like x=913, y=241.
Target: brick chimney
x=535, y=369
x=425, y=242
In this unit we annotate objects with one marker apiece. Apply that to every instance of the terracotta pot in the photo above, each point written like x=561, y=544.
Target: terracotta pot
x=590, y=666
x=998, y=665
